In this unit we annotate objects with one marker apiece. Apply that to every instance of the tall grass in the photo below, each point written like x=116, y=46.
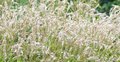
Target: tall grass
x=49, y=32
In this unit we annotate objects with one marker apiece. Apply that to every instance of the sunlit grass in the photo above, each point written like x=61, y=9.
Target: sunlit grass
x=58, y=31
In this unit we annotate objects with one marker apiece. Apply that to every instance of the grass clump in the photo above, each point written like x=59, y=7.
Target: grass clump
x=59, y=31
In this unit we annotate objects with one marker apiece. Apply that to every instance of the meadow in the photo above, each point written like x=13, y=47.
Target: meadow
x=58, y=31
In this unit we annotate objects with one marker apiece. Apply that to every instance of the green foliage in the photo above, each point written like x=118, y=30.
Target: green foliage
x=107, y=6
x=22, y=2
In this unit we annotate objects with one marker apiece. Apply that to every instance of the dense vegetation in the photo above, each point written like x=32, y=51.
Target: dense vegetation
x=106, y=5
x=59, y=31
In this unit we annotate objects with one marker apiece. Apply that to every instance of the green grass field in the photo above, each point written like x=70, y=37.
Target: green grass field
x=58, y=31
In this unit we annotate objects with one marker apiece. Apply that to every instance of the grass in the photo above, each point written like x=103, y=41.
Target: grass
x=58, y=31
